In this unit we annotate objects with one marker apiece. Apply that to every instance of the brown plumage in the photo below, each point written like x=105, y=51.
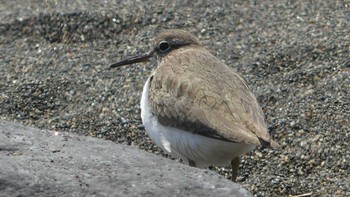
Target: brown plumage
x=192, y=90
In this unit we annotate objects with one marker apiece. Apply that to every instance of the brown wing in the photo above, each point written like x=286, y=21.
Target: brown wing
x=205, y=96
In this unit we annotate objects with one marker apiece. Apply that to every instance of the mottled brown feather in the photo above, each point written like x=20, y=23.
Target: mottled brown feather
x=193, y=90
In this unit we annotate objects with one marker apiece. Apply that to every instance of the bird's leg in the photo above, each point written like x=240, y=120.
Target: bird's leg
x=191, y=163
x=235, y=167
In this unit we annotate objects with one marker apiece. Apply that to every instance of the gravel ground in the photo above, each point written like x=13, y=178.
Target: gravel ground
x=54, y=57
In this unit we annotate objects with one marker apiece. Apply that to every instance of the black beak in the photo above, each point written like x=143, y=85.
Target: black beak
x=131, y=60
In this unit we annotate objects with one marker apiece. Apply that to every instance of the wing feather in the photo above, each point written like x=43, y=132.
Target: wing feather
x=203, y=95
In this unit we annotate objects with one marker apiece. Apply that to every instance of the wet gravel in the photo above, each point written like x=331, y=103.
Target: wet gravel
x=54, y=57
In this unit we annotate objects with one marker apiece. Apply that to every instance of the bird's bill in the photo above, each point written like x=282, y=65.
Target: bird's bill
x=131, y=60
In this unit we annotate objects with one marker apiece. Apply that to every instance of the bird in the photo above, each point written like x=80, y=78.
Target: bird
x=197, y=108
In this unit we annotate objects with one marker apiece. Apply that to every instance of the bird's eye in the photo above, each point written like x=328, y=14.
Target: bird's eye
x=164, y=46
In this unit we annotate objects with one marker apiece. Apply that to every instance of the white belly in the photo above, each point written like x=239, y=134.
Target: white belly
x=178, y=143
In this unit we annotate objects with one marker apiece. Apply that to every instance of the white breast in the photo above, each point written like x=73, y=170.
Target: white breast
x=178, y=143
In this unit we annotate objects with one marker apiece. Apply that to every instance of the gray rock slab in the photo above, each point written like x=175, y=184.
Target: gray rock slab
x=50, y=163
